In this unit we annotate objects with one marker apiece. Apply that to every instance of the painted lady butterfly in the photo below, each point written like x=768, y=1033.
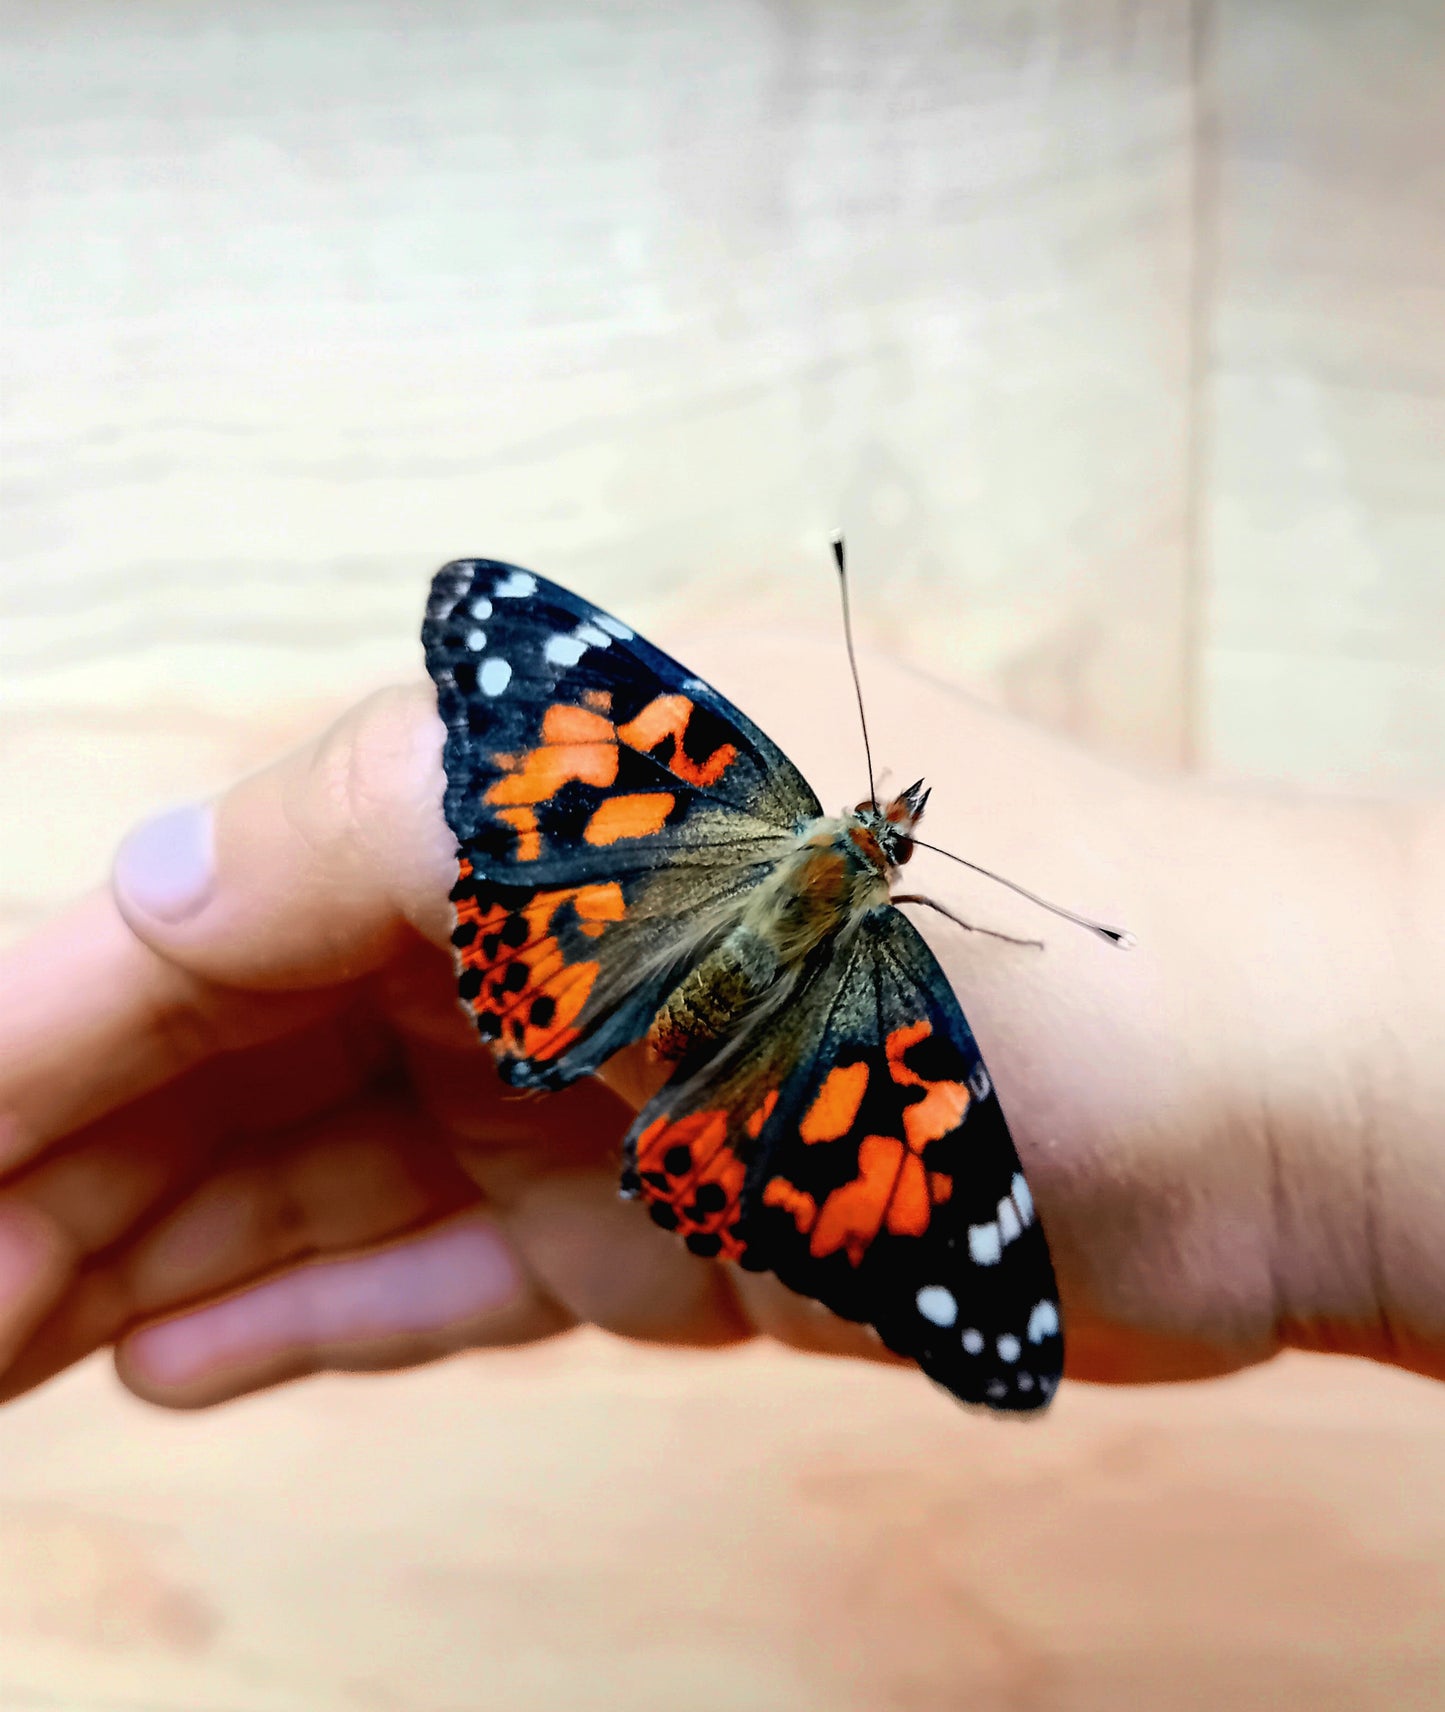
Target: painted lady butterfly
x=637, y=860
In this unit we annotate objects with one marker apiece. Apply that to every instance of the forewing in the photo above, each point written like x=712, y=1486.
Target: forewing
x=856, y=1148
x=611, y=811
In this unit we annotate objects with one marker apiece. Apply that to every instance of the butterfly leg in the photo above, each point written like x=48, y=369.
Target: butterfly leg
x=993, y=933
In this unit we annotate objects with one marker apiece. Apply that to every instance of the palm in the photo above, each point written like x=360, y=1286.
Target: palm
x=326, y=1122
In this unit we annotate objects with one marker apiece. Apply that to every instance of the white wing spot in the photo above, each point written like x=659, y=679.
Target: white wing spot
x=476, y=640
x=517, y=586
x=996, y=1389
x=1023, y=1200
x=1009, y=1347
x=1026, y=1382
x=480, y=607
x=564, y=650
x=973, y=1341
x=984, y=1244
x=494, y=676
x=936, y=1304
x=593, y=637
x=1008, y=1221
x=1043, y=1322
x=980, y=1083
x=613, y=628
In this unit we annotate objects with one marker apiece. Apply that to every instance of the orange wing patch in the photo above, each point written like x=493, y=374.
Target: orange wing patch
x=668, y=716
x=942, y=1107
x=522, y=991
x=576, y=744
x=694, y=1180
x=635, y=816
x=755, y=1123
x=796, y=1203
x=832, y=1113
x=597, y=905
x=582, y=743
x=893, y=1190
x=523, y=821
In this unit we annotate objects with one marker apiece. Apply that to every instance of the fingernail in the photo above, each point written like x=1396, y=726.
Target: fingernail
x=165, y=867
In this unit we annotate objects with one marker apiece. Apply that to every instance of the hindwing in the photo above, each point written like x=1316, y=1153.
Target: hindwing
x=855, y=1147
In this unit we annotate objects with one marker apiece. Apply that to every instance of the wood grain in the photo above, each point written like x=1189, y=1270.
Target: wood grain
x=300, y=300
x=594, y=1526
x=1325, y=507
x=303, y=301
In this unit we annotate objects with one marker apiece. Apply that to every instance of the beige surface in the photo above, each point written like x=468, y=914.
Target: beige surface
x=300, y=300
x=1324, y=511
x=593, y=1527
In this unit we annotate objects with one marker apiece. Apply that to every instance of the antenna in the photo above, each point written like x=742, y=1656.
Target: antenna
x=841, y=562
x=1119, y=936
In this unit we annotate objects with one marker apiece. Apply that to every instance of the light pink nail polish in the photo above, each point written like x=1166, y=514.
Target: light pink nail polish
x=165, y=867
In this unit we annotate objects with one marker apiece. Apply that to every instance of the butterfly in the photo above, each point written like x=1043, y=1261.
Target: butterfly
x=637, y=861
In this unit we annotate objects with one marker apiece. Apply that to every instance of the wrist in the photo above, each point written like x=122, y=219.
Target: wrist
x=1408, y=1155
x=1341, y=992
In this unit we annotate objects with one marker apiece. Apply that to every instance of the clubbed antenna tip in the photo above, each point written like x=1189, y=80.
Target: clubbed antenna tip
x=841, y=562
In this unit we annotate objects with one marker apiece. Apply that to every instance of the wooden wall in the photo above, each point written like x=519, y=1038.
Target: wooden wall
x=1111, y=333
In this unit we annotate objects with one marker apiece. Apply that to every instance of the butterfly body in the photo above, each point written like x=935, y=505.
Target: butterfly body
x=819, y=889
x=638, y=862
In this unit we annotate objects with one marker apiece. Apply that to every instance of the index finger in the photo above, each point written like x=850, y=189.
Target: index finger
x=301, y=879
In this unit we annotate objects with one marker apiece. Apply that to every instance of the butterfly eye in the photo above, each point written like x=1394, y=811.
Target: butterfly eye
x=867, y=806
x=902, y=851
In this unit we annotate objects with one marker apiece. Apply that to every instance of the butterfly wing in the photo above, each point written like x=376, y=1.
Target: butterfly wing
x=611, y=811
x=856, y=1148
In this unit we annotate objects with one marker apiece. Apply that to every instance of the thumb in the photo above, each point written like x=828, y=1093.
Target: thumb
x=311, y=871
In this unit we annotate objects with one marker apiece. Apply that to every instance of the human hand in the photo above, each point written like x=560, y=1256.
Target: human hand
x=253, y=1136
x=240, y=1105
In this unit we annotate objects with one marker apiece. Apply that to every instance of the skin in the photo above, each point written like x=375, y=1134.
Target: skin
x=258, y=1139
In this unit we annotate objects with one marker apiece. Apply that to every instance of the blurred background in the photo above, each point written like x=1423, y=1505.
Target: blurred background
x=1112, y=334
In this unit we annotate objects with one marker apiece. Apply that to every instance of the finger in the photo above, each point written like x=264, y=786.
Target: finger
x=78, y=1203
x=116, y=1174
x=453, y=1288
x=605, y=1261
x=775, y=1311
x=36, y=1264
x=306, y=874
x=312, y=871
x=91, y=1018
x=353, y=1177
x=362, y=1175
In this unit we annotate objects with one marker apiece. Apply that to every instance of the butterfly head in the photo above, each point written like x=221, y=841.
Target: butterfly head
x=891, y=823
